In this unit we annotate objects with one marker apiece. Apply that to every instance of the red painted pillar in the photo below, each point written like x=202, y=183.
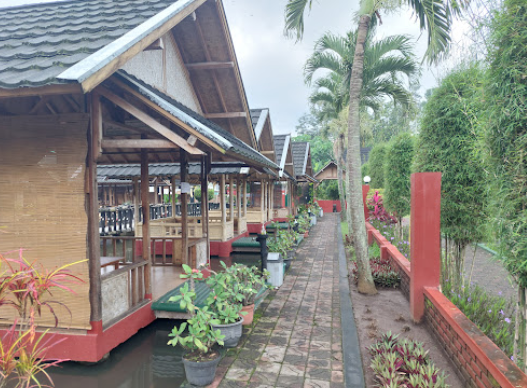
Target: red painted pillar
x=425, y=238
x=365, y=189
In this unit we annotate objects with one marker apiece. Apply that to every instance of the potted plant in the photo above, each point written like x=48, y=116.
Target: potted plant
x=199, y=340
x=225, y=304
x=250, y=281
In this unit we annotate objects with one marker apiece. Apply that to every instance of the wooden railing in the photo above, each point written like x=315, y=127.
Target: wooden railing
x=120, y=219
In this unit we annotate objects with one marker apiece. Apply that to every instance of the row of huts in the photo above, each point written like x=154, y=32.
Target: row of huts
x=129, y=91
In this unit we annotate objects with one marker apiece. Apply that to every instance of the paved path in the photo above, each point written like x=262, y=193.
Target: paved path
x=297, y=342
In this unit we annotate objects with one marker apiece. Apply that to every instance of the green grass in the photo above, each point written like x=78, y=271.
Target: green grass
x=344, y=227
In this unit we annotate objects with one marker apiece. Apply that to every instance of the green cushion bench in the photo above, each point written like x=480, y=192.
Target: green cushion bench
x=165, y=309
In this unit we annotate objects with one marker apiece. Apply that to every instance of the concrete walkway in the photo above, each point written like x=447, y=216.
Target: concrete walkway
x=297, y=341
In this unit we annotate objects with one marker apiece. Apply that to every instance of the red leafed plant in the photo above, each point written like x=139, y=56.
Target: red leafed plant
x=23, y=286
x=403, y=363
x=377, y=210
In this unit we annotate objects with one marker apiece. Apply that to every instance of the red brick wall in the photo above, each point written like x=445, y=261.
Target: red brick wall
x=479, y=362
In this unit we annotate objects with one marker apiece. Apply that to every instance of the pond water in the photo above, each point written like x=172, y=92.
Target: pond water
x=144, y=361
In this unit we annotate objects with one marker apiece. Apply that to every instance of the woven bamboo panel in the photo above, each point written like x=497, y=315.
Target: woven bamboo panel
x=42, y=202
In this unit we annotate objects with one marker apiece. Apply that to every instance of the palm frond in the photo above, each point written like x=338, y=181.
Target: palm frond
x=436, y=19
x=322, y=60
x=294, y=18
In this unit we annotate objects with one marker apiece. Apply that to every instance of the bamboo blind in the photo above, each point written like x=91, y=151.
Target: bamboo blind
x=42, y=202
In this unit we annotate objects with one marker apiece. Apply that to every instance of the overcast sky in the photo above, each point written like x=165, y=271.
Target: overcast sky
x=272, y=65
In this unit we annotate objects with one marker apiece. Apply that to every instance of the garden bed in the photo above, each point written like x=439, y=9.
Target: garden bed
x=390, y=311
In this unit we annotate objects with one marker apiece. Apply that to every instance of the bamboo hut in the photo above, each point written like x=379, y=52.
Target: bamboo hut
x=113, y=82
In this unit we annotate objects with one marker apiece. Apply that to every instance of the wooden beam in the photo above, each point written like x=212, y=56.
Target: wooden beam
x=138, y=143
x=192, y=140
x=170, y=117
x=158, y=44
x=41, y=91
x=225, y=115
x=148, y=120
x=96, y=123
x=209, y=65
x=147, y=253
x=238, y=202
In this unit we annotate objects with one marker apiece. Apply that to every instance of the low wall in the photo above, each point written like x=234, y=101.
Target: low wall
x=327, y=205
x=479, y=362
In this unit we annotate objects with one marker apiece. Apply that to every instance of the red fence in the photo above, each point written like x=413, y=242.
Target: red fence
x=479, y=362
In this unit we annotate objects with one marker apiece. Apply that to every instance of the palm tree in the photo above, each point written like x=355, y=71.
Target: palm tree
x=388, y=63
x=435, y=17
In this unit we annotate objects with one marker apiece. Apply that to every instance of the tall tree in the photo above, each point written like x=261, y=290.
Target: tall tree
x=434, y=17
x=389, y=63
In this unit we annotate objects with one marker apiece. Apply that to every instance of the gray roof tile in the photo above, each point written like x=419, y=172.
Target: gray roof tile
x=300, y=149
x=279, y=142
x=38, y=42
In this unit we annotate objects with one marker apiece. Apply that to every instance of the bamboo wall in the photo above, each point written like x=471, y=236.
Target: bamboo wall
x=42, y=201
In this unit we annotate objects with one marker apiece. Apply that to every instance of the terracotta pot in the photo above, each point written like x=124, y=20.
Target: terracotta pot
x=306, y=234
x=248, y=318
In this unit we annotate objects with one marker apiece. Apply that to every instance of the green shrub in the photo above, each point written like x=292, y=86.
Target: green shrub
x=398, y=169
x=376, y=163
x=447, y=144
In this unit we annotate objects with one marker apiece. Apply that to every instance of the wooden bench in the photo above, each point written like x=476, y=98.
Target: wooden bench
x=111, y=260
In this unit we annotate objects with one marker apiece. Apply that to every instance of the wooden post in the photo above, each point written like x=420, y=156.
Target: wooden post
x=425, y=221
x=222, y=201
x=238, y=202
x=173, y=198
x=94, y=248
x=184, y=208
x=271, y=200
x=147, y=254
x=244, y=198
x=156, y=192
x=262, y=199
x=205, y=202
x=231, y=199
x=136, y=205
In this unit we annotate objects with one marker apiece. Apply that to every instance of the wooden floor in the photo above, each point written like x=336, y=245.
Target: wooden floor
x=165, y=279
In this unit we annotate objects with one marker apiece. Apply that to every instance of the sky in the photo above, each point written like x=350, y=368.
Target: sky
x=272, y=64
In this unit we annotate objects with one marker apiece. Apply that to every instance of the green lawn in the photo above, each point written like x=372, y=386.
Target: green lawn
x=344, y=227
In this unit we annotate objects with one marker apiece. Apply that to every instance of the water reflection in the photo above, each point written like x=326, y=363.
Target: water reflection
x=144, y=361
